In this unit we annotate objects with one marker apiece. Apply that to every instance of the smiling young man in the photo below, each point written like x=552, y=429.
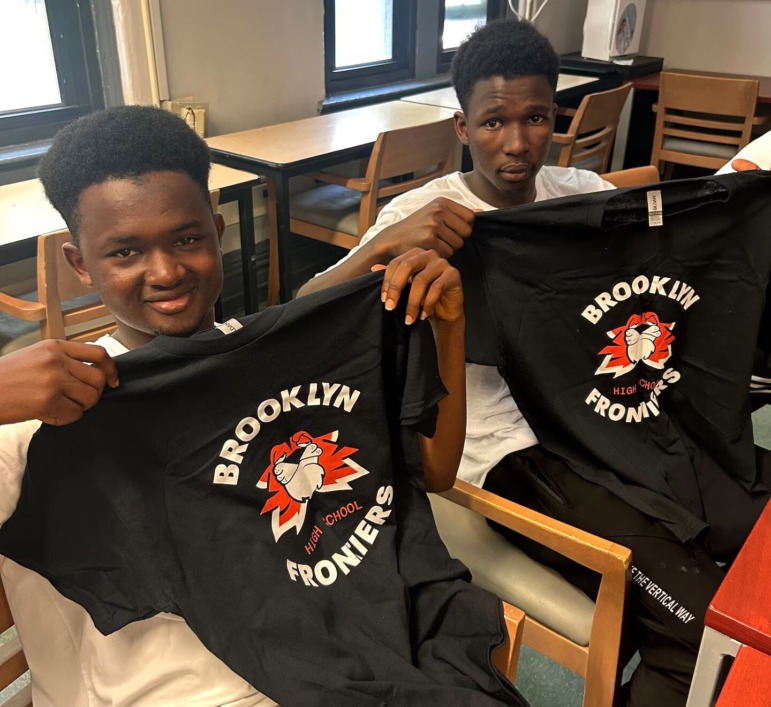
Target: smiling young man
x=132, y=185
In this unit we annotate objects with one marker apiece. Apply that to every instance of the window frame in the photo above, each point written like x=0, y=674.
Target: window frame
x=496, y=9
x=400, y=68
x=73, y=41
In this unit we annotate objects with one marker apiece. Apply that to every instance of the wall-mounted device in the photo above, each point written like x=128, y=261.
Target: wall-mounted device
x=612, y=29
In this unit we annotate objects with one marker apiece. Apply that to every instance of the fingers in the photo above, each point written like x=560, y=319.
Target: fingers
x=742, y=165
x=95, y=355
x=431, y=277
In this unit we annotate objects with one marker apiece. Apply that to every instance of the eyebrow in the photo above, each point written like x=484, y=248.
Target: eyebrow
x=131, y=239
x=500, y=105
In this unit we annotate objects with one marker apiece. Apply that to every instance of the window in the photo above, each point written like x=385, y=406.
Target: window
x=459, y=19
x=50, y=70
x=368, y=42
x=372, y=43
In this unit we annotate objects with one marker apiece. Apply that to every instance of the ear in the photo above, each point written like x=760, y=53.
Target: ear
x=74, y=259
x=461, y=127
x=219, y=224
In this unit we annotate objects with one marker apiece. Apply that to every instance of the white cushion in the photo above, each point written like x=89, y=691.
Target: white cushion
x=697, y=147
x=503, y=569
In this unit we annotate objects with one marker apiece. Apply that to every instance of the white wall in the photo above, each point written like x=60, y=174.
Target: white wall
x=732, y=36
x=257, y=62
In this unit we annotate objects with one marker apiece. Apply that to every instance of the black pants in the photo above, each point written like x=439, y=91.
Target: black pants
x=672, y=582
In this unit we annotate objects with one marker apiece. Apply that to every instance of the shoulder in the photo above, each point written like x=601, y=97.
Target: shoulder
x=450, y=186
x=554, y=182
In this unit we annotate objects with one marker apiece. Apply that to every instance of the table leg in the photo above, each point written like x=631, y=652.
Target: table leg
x=714, y=649
x=282, y=241
x=248, y=253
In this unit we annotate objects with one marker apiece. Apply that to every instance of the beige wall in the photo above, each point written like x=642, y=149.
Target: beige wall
x=562, y=21
x=733, y=36
x=257, y=62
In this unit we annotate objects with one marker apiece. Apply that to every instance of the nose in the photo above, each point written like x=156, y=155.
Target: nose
x=163, y=270
x=515, y=140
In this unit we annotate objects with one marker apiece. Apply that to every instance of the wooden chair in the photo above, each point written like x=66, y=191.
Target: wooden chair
x=57, y=283
x=702, y=121
x=83, y=316
x=633, y=177
x=560, y=622
x=588, y=142
x=12, y=662
x=342, y=210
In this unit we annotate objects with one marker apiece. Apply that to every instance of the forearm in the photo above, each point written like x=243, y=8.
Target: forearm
x=361, y=262
x=442, y=453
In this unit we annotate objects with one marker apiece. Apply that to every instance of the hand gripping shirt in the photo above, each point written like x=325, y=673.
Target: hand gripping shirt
x=266, y=485
x=628, y=346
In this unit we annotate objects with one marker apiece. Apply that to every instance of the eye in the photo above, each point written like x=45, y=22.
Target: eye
x=537, y=119
x=123, y=253
x=186, y=240
x=492, y=123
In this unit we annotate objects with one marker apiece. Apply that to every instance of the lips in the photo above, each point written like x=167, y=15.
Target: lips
x=171, y=302
x=515, y=172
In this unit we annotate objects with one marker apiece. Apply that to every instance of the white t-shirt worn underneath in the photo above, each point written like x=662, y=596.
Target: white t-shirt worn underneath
x=157, y=662
x=494, y=425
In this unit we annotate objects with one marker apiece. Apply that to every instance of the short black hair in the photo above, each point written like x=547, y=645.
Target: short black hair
x=123, y=142
x=508, y=48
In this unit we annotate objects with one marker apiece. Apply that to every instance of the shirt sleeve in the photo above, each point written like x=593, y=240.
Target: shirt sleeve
x=84, y=515
x=14, y=441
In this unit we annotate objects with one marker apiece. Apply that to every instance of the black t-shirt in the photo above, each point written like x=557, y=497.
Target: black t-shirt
x=629, y=347
x=266, y=485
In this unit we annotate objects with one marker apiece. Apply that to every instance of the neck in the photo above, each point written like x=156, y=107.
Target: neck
x=482, y=189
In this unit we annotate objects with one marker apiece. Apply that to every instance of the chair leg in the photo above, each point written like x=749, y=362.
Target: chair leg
x=506, y=657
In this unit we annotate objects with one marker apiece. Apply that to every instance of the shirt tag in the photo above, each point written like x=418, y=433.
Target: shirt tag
x=655, y=210
x=229, y=326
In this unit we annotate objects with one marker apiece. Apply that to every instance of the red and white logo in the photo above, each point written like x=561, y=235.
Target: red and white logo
x=299, y=468
x=643, y=339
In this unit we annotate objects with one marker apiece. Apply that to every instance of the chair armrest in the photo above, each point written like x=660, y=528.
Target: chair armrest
x=356, y=183
x=633, y=177
x=562, y=138
x=22, y=309
x=586, y=549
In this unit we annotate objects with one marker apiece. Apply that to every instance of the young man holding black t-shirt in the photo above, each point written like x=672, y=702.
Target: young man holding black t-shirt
x=505, y=76
x=132, y=185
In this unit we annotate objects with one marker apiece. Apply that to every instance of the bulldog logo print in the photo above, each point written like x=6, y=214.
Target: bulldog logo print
x=643, y=339
x=300, y=467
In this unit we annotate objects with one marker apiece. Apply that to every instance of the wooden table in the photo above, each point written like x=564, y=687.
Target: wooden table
x=446, y=98
x=26, y=214
x=642, y=124
x=282, y=151
x=739, y=614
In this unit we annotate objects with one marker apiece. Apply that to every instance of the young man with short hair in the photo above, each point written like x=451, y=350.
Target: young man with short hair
x=132, y=185
x=505, y=77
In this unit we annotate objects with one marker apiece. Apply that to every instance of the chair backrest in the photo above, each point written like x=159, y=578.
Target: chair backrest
x=57, y=283
x=12, y=662
x=633, y=177
x=417, y=154
x=702, y=120
x=589, y=139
